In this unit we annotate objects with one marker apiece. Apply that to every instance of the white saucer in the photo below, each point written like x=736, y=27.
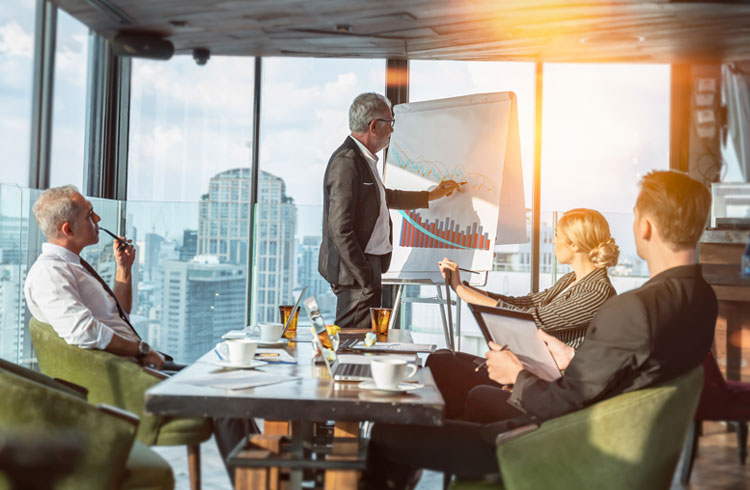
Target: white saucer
x=234, y=335
x=401, y=388
x=281, y=341
x=230, y=365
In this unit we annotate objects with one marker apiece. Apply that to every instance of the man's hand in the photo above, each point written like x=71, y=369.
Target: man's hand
x=502, y=365
x=153, y=360
x=125, y=257
x=448, y=266
x=445, y=188
x=561, y=352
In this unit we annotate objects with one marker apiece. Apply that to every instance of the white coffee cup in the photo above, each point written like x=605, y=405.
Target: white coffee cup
x=388, y=373
x=238, y=351
x=270, y=332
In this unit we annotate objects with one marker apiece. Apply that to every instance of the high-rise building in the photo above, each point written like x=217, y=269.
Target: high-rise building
x=12, y=277
x=225, y=217
x=189, y=247
x=151, y=250
x=223, y=232
x=308, y=275
x=202, y=300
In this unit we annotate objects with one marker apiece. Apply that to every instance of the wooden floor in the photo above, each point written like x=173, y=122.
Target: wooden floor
x=717, y=465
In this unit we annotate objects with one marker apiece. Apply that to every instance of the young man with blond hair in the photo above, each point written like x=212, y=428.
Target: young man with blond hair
x=641, y=338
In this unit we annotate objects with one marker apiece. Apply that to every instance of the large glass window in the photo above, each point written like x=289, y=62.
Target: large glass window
x=190, y=140
x=605, y=126
x=304, y=118
x=16, y=54
x=69, y=114
x=188, y=123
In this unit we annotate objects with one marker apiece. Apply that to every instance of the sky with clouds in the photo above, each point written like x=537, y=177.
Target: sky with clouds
x=603, y=125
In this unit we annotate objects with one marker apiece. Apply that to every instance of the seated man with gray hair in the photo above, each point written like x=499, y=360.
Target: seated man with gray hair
x=63, y=290
x=357, y=229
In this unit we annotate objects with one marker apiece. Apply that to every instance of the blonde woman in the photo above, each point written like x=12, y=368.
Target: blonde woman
x=582, y=240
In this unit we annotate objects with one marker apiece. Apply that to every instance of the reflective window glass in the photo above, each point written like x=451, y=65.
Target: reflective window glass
x=16, y=54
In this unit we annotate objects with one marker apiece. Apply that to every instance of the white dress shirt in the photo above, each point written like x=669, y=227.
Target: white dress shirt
x=380, y=240
x=59, y=291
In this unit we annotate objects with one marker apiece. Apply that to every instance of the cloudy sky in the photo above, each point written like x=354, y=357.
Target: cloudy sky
x=604, y=125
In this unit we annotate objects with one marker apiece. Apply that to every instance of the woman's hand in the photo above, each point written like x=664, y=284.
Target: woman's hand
x=449, y=267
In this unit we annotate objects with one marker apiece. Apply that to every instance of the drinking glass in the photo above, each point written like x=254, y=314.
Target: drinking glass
x=291, y=329
x=380, y=319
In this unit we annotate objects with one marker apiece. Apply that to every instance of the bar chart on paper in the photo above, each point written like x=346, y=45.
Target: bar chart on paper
x=464, y=139
x=417, y=232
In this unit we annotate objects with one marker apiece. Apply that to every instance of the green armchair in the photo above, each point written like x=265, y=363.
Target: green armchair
x=110, y=458
x=118, y=381
x=629, y=441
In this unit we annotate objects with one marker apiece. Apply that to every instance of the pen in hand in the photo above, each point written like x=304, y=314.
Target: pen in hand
x=476, y=370
x=122, y=243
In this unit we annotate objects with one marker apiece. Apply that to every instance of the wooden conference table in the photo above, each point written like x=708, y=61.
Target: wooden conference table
x=292, y=413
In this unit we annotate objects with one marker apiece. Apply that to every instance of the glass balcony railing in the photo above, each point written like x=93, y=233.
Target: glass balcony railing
x=190, y=278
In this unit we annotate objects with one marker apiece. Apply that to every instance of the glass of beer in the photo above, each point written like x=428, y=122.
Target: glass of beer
x=380, y=319
x=291, y=329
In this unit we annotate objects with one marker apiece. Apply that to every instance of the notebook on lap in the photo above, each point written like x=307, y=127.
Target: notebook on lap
x=518, y=331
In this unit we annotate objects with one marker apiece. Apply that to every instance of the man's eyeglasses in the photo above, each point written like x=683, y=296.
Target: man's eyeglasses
x=392, y=121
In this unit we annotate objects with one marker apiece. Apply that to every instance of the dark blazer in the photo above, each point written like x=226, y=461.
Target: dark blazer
x=638, y=339
x=351, y=204
x=565, y=314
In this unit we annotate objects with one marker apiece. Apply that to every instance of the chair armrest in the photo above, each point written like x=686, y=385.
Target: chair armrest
x=512, y=434
x=119, y=413
x=75, y=387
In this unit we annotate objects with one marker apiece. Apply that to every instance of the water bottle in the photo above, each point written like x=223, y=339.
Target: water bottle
x=745, y=271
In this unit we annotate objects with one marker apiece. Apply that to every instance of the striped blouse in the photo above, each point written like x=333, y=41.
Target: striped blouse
x=564, y=313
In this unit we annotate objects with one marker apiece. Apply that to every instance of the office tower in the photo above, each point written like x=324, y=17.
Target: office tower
x=151, y=250
x=14, y=343
x=189, y=247
x=202, y=299
x=308, y=275
x=225, y=217
x=12, y=277
x=223, y=232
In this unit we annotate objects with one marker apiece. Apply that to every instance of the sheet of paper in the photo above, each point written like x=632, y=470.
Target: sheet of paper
x=394, y=347
x=236, y=380
x=274, y=356
x=522, y=340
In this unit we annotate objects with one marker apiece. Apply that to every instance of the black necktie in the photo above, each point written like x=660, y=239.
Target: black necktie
x=124, y=317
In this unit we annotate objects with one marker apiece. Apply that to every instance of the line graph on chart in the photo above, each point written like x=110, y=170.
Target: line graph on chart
x=437, y=171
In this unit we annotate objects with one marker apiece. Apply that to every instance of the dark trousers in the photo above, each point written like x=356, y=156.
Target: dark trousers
x=460, y=447
x=353, y=303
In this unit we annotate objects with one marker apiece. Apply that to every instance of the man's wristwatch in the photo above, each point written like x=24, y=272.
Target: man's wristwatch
x=143, y=350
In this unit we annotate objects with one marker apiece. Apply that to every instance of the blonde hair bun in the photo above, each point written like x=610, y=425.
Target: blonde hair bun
x=605, y=254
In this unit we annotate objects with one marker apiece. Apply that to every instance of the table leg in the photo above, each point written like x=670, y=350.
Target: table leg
x=276, y=427
x=264, y=478
x=344, y=479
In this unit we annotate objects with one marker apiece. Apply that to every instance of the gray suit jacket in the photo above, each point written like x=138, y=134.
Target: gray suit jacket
x=351, y=204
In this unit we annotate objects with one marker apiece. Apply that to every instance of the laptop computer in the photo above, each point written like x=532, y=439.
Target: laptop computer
x=339, y=371
x=518, y=331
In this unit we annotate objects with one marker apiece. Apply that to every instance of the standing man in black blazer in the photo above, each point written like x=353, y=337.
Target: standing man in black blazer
x=357, y=229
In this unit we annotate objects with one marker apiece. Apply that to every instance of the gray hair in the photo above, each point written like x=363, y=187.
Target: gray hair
x=365, y=108
x=54, y=207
